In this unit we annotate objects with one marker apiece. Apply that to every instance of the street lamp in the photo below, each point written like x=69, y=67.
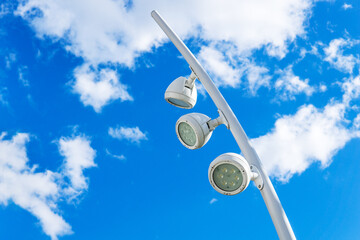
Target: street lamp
x=194, y=130
x=230, y=174
x=182, y=92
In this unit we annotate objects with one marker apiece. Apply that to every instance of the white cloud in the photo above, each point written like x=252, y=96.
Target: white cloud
x=310, y=135
x=346, y=6
x=297, y=141
x=289, y=85
x=351, y=88
x=356, y=121
x=224, y=73
x=334, y=54
x=3, y=100
x=119, y=157
x=134, y=135
x=313, y=51
x=23, y=76
x=98, y=88
x=100, y=32
x=4, y=9
x=257, y=76
x=10, y=59
x=38, y=192
x=322, y=87
x=108, y=31
x=78, y=156
x=228, y=68
x=33, y=191
x=212, y=201
x=330, y=27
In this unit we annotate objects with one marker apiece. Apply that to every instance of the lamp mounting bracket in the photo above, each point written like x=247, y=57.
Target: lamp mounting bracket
x=218, y=121
x=259, y=182
x=191, y=80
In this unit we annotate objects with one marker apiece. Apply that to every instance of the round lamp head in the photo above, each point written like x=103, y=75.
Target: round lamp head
x=180, y=95
x=192, y=130
x=229, y=174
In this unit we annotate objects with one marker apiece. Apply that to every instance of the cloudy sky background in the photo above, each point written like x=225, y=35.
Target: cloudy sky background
x=87, y=143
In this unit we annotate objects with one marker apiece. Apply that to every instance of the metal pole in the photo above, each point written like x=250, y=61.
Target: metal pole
x=268, y=193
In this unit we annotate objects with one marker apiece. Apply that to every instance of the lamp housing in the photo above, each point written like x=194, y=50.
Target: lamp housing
x=230, y=174
x=182, y=93
x=193, y=130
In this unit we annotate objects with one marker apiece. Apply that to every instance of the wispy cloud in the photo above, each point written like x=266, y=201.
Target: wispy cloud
x=356, y=121
x=3, y=93
x=23, y=76
x=4, y=9
x=228, y=72
x=334, y=54
x=313, y=51
x=346, y=6
x=10, y=59
x=289, y=85
x=257, y=77
x=132, y=134
x=119, y=157
x=351, y=88
x=224, y=72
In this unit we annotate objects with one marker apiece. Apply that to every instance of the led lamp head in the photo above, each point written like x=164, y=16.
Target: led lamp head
x=230, y=174
x=182, y=93
x=193, y=130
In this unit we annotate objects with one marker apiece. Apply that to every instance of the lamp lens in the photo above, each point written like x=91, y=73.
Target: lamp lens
x=227, y=177
x=187, y=134
x=178, y=102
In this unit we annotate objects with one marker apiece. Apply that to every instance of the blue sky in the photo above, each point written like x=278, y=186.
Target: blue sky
x=88, y=148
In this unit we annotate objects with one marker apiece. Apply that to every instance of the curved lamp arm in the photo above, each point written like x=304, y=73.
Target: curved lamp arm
x=267, y=190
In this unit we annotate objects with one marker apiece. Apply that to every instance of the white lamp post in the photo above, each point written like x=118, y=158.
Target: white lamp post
x=230, y=173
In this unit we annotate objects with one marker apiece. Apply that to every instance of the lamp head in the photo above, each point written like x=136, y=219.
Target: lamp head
x=193, y=131
x=229, y=174
x=180, y=94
